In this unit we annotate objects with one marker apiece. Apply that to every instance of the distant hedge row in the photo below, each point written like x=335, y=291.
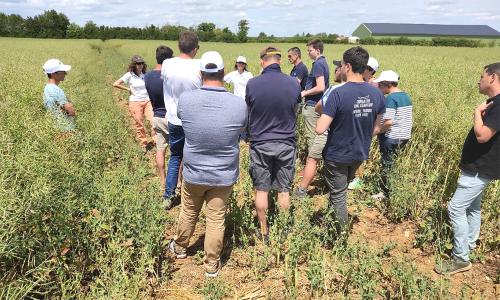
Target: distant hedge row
x=437, y=41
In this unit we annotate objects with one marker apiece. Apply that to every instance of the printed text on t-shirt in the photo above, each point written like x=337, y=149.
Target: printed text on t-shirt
x=363, y=107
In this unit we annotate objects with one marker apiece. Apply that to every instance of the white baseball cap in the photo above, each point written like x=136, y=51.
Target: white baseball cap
x=389, y=75
x=373, y=63
x=241, y=59
x=211, y=57
x=55, y=65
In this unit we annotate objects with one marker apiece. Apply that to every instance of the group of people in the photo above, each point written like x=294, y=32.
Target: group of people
x=202, y=124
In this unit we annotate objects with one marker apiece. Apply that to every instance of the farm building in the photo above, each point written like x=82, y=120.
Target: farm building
x=380, y=30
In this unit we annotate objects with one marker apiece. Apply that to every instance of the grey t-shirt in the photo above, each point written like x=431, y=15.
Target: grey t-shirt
x=212, y=119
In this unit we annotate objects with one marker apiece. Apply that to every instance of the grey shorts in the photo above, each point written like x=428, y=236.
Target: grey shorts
x=272, y=166
x=160, y=125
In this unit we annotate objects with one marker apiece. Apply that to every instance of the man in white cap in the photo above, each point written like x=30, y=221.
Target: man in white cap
x=396, y=126
x=54, y=98
x=211, y=159
x=239, y=77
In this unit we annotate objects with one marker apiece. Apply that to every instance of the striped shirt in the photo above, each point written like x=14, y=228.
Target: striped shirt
x=399, y=109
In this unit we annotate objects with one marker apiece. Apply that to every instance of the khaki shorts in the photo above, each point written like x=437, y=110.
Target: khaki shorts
x=315, y=142
x=160, y=125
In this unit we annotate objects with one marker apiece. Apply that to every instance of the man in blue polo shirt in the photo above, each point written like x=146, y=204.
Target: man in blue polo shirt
x=299, y=70
x=154, y=86
x=317, y=83
x=352, y=115
x=272, y=100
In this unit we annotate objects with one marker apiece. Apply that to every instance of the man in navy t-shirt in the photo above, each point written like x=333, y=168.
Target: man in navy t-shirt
x=352, y=113
x=154, y=86
x=317, y=83
x=299, y=70
x=272, y=100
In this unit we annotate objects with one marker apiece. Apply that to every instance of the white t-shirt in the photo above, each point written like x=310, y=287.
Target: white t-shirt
x=179, y=75
x=239, y=81
x=137, y=86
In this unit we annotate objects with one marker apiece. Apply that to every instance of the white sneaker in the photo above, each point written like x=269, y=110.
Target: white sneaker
x=380, y=196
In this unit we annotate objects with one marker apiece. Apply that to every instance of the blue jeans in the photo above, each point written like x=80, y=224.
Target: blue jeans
x=176, y=143
x=465, y=213
x=389, y=149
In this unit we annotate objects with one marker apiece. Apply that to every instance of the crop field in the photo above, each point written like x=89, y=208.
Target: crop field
x=81, y=216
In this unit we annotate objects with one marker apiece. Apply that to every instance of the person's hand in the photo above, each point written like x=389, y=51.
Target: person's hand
x=302, y=94
x=482, y=107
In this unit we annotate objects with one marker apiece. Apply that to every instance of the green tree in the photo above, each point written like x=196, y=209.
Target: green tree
x=243, y=31
x=90, y=30
x=206, y=31
x=74, y=31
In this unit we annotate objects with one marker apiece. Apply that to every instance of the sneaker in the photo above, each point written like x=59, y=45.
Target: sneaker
x=213, y=271
x=355, y=184
x=452, y=266
x=300, y=192
x=171, y=202
x=179, y=252
x=380, y=196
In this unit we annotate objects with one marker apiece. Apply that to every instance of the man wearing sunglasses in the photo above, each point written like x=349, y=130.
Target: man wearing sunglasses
x=299, y=70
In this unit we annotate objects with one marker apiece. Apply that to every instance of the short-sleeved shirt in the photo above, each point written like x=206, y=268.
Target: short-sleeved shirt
x=137, y=87
x=179, y=75
x=300, y=72
x=354, y=108
x=212, y=119
x=484, y=158
x=399, y=109
x=154, y=87
x=239, y=82
x=272, y=98
x=319, y=68
x=54, y=100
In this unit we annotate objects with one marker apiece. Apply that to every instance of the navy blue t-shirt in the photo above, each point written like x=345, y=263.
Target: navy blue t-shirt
x=319, y=68
x=300, y=71
x=154, y=86
x=272, y=98
x=354, y=108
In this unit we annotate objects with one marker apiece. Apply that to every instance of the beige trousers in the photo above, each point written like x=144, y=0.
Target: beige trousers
x=193, y=196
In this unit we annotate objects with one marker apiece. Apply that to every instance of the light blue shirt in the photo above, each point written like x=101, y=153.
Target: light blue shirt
x=212, y=119
x=54, y=100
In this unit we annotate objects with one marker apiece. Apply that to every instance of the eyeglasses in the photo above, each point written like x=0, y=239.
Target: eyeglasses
x=372, y=71
x=139, y=63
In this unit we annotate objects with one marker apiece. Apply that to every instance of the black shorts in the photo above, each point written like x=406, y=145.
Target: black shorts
x=272, y=166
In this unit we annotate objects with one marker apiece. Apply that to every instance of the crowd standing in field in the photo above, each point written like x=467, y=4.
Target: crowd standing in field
x=203, y=123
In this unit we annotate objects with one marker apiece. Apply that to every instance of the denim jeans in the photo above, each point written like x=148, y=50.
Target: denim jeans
x=176, y=143
x=389, y=149
x=338, y=176
x=465, y=213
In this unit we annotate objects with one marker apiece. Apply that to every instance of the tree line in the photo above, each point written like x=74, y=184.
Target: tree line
x=51, y=24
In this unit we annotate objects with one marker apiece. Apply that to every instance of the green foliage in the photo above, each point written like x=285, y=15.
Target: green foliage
x=72, y=217
x=214, y=289
x=436, y=41
x=243, y=31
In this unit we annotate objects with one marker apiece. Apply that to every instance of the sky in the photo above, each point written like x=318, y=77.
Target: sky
x=278, y=17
